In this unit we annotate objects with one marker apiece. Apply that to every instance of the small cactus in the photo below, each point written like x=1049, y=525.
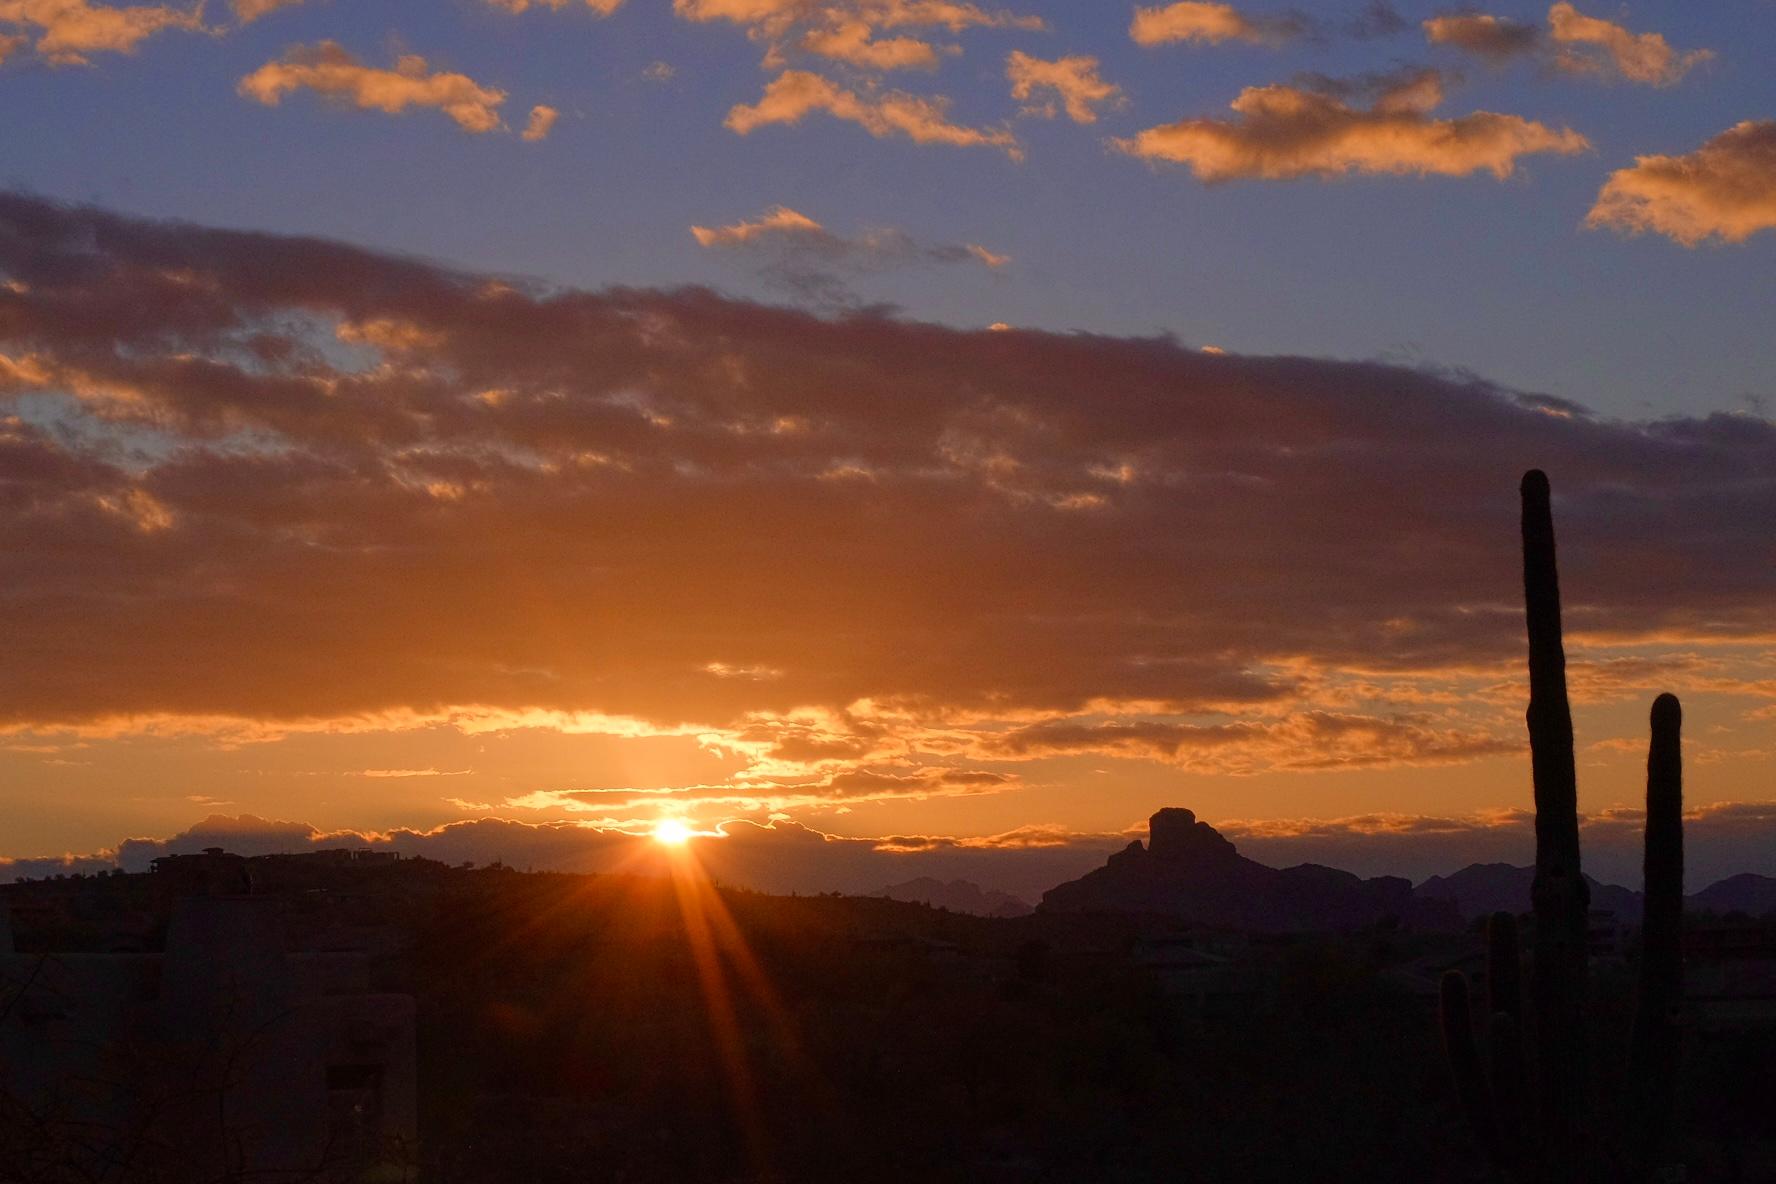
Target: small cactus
x=1553, y=1140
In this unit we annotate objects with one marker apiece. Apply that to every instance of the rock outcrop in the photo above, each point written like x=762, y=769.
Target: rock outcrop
x=1188, y=869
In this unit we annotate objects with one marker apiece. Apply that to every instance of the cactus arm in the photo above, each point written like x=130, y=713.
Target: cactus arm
x=1504, y=1034
x=1504, y=971
x=1464, y=1059
x=1561, y=898
x=1654, y=1050
x=1504, y=1040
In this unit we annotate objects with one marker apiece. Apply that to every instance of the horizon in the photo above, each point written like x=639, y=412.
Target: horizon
x=941, y=433
x=772, y=860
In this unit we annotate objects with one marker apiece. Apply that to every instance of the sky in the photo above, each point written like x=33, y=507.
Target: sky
x=902, y=427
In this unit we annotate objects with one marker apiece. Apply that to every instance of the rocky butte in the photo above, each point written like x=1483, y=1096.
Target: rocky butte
x=1187, y=869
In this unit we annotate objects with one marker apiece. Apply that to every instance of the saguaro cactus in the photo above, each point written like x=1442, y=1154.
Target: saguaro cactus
x=1653, y=1054
x=1555, y=1142
x=1561, y=898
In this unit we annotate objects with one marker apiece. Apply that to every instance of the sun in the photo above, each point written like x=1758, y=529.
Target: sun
x=671, y=832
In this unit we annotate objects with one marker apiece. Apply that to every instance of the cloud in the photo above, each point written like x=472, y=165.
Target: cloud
x=1283, y=132
x=333, y=73
x=254, y=485
x=70, y=31
x=599, y=7
x=778, y=220
x=1495, y=38
x=1074, y=80
x=1725, y=189
x=541, y=122
x=800, y=255
x=852, y=42
x=1190, y=20
x=795, y=94
x=759, y=795
x=885, y=14
x=1307, y=741
x=248, y=11
x=850, y=31
x=1594, y=45
x=1378, y=19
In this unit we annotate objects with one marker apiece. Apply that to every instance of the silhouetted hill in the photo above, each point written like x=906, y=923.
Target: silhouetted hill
x=1744, y=893
x=1189, y=870
x=1481, y=889
x=959, y=896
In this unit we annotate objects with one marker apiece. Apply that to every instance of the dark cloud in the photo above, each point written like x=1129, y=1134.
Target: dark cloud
x=281, y=479
x=1495, y=38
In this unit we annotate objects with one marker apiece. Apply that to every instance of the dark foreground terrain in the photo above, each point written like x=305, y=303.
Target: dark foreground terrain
x=618, y=1028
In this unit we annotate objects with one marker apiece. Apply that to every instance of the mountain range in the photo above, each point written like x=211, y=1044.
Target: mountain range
x=1189, y=869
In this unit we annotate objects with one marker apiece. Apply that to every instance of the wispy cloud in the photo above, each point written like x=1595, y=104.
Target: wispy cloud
x=599, y=7
x=800, y=255
x=330, y=71
x=796, y=94
x=1593, y=45
x=248, y=11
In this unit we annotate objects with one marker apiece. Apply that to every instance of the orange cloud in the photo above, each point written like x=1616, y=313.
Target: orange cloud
x=72, y=30
x=600, y=7
x=795, y=94
x=248, y=11
x=776, y=220
x=541, y=122
x=952, y=15
x=848, y=30
x=1638, y=57
x=1285, y=132
x=1302, y=742
x=1190, y=20
x=1074, y=80
x=1725, y=189
x=333, y=73
x=1483, y=34
x=852, y=42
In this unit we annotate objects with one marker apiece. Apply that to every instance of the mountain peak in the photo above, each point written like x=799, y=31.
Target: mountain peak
x=1174, y=834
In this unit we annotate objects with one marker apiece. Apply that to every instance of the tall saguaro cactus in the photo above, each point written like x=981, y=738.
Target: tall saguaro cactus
x=1555, y=1142
x=1562, y=899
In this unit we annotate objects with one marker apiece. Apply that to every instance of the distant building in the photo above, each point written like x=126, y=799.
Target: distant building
x=222, y=1057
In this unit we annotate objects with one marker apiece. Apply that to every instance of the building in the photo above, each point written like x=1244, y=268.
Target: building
x=222, y=1056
